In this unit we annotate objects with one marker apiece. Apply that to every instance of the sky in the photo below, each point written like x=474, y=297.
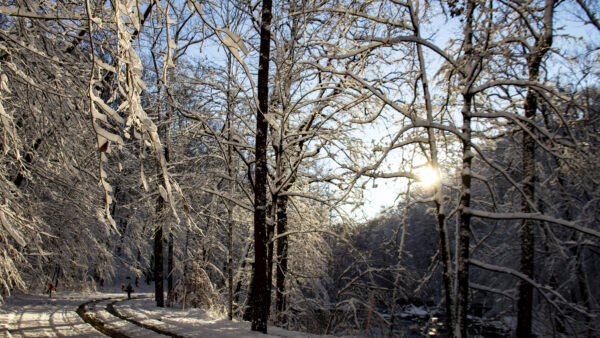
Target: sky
x=383, y=193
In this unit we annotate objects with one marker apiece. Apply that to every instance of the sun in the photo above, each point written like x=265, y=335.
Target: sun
x=428, y=176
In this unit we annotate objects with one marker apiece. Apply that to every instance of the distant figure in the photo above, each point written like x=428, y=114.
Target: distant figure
x=123, y=287
x=129, y=290
x=49, y=289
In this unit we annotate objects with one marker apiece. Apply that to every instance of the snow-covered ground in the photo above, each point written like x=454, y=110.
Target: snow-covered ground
x=39, y=316
x=25, y=315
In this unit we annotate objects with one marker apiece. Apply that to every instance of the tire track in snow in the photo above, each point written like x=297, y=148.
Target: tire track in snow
x=29, y=315
x=111, y=309
x=66, y=322
x=86, y=312
x=96, y=323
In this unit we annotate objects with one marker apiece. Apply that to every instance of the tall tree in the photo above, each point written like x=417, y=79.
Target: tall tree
x=260, y=289
x=543, y=42
x=464, y=226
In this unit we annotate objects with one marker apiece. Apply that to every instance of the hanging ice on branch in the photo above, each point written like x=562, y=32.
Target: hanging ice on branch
x=14, y=233
x=7, y=120
x=128, y=71
x=234, y=42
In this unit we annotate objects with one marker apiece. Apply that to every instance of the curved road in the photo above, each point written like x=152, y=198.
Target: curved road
x=38, y=317
x=101, y=315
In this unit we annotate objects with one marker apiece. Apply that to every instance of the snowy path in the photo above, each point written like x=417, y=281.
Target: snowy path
x=66, y=316
x=36, y=316
x=62, y=316
x=194, y=322
x=96, y=313
x=156, y=327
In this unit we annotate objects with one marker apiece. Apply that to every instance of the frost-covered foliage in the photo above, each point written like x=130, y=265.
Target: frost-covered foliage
x=52, y=74
x=49, y=209
x=126, y=125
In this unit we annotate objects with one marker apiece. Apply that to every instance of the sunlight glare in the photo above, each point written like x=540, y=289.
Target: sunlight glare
x=428, y=176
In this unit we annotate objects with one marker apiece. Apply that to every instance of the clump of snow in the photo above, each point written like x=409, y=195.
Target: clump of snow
x=418, y=311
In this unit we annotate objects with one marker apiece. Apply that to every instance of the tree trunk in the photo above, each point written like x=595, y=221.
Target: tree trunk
x=281, y=260
x=442, y=228
x=230, y=263
x=230, y=205
x=464, y=230
x=138, y=265
x=159, y=245
x=271, y=210
x=170, y=270
x=464, y=226
x=249, y=298
x=158, y=256
x=163, y=135
x=583, y=286
x=526, y=233
x=260, y=294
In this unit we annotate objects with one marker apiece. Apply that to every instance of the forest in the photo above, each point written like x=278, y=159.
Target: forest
x=226, y=153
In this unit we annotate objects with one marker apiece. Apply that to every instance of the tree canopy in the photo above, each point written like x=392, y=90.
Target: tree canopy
x=240, y=137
